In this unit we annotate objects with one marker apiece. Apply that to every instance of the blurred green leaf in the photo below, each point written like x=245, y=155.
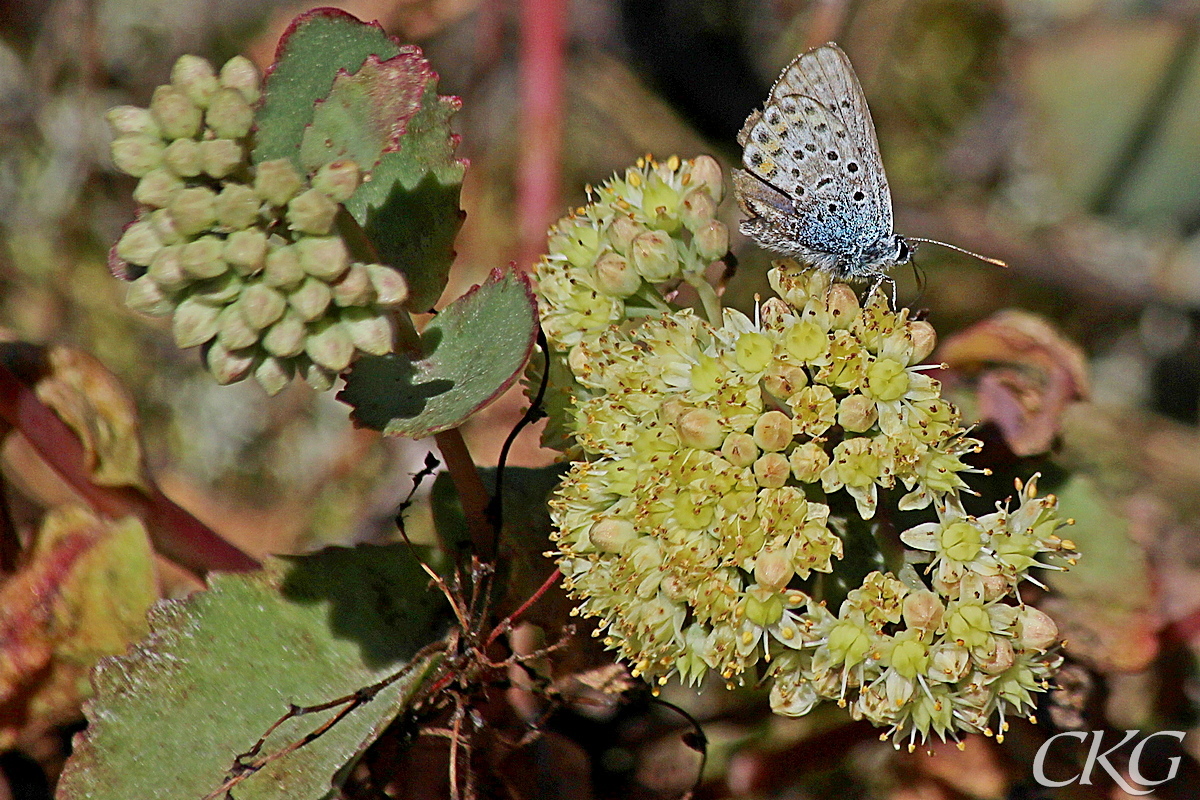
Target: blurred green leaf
x=222, y=665
x=471, y=352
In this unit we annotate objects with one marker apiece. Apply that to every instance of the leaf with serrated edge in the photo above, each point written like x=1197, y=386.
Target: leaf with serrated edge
x=222, y=665
x=473, y=350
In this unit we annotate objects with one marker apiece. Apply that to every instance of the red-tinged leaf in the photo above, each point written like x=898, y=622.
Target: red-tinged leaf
x=472, y=351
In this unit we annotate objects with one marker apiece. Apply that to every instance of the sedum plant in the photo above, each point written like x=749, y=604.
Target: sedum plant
x=728, y=473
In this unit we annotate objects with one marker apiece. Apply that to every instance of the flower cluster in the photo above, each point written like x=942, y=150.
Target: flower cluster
x=246, y=257
x=712, y=457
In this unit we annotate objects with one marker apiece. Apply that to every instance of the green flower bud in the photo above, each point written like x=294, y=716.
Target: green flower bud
x=139, y=244
x=316, y=376
x=194, y=323
x=228, y=366
x=261, y=305
x=712, y=240
x=329, y=345
x=240, y=73
x=699, y=209
x=232, y=330
x=221, y=156
x=218, y=291
x=311, y=212
x=167, y=269
x=311, y=299
x=246, y=250
x=144, y=295
x=578, y=240
x=283, y=268
x=131, y=119
x=194, y=77
x=323, y=257
x=237, y=206
x=194, y=210
x=286, y=337
x=706, y=172
x=158, y=187
x=182, y=157
x=164, y=227
x=653, y=254
x=137, y=154
x=616, y=276
x=371, y=332
x=391, y=288
x=177, y=116
x=353, y=288
x=202, y=258
x=338, y=180
x=621, y=233
x=273, y=374
x=229, y=116
x=856, y=413
x=277, y=181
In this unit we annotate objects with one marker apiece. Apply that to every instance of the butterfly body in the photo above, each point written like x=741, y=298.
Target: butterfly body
x=814, y=185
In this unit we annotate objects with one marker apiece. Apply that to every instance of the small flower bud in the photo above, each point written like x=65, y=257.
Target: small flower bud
x=785, y=381
x=316, y=376
x=579, y=241
x=923, y=611
x=283, y=268
x=221, y=156
x=130, y=119
x=246, y=250
x=842, y=304
x=194, y=323
x=146, y=296
x=995, y=659
x=611, y=534
x=353, y=288
x=808, y=461
x=950, y=663
x=371, y=332
x=201, y=258
x=621, y=233
x=228, y=366
x=166, y=269
x=698, y=210
x=712, y=240
x=194, y=210
x=277, y=181
x=706, y=172
x=772, y=470
x=158, y=187
x=391, y=288
x=177, y=116
x=700, y=428
x=740, y=450
x=773, y=569
x=323, y=257
x=139, y=244
x=616, y=277
x=338, y=180
x=924, y=339
x=311, y=299
x=286, y=337
x=240, y=73
x=137, y=154
x=194, y=77
x=273, y=374
x=237, y=206
x=229, y=116
x=654, y=256
x=1035, y=629
x=311, y=212
x=218, y=291
x=773, y=431
x=330, y=346
x=164, y=227
x=232, y=330
x=261, y=305
x=856, y=413
x=182, y=157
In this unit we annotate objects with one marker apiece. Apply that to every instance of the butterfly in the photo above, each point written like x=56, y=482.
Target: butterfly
x=814, y=186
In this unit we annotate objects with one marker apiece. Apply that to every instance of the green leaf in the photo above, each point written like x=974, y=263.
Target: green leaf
x=471, y=352
x=314, y=49
x=221, y=666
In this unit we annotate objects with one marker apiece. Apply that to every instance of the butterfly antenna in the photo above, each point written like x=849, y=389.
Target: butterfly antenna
x=962, y=250
x=922, y=283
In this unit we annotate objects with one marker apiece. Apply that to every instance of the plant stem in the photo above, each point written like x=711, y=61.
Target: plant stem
x=708, y=296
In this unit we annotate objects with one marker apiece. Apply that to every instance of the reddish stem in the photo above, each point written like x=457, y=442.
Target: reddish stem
x=176, y=534
x=507, y=622
x=542, y=45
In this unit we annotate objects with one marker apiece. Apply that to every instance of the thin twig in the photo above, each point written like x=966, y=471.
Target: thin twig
x=507, y=622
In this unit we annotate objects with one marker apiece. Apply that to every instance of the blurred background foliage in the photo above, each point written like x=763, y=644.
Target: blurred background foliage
x=1060, y=135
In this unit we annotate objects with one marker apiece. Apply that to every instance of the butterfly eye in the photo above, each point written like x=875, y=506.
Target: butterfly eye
x=902, y=250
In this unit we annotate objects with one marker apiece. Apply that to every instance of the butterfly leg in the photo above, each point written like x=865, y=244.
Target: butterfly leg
x=880, y=279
